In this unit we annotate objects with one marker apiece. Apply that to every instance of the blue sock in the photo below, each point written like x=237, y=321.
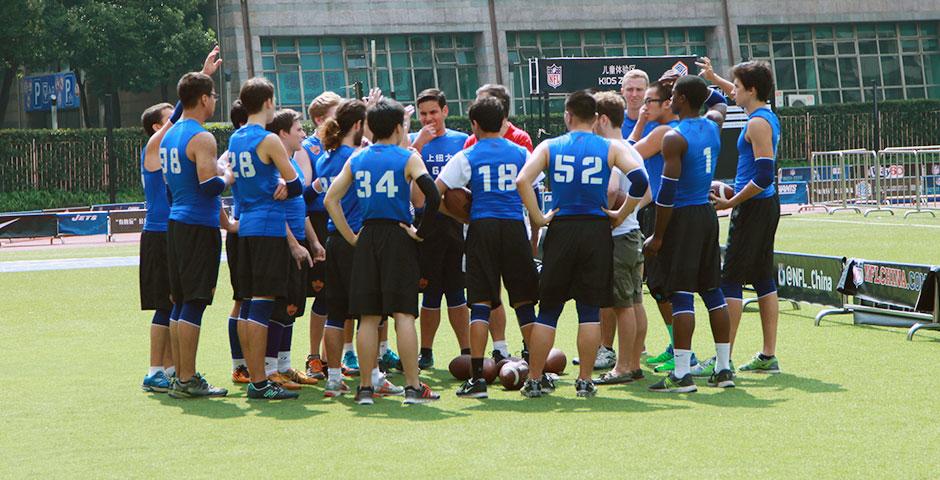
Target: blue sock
x=286, y=338
x=233, y=342
x=275, y=332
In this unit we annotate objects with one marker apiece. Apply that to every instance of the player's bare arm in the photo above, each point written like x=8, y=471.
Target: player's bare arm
x=674, y=147
x=627, y=159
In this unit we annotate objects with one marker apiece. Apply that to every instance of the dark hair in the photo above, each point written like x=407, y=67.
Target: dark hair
x=153, y=115
x=694, y=89
x=582, y=105
x=192, y=86
x=612, y=105
x=332, y=130
x=488, y=113
x=384, y=117
x=757, y=75
x=498, y=91
x=254, y=93
x=663, y=89
x=238, y=115
x=283, y=120
x=432, y=95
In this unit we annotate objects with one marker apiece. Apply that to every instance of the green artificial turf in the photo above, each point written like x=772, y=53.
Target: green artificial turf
x=852, y=401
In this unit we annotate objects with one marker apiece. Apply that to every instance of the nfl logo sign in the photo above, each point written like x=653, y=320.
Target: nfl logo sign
x=554, y=76
x=681, y=69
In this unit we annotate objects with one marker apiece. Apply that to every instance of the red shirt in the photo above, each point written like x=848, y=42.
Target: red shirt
x=513, y=134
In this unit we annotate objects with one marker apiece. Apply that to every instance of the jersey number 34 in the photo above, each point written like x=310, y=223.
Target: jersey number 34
x=386, y=184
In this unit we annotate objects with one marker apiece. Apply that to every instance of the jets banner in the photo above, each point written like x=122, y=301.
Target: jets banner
x=885, y=283
x=568, y=74
x=809, y=278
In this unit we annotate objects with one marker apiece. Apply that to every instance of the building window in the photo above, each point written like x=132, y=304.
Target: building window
x=593, y=43
x=839, y=63
x=303, y=67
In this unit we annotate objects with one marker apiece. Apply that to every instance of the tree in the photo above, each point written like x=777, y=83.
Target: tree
x=135, y=45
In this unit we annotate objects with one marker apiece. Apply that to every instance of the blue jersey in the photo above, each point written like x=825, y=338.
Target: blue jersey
x=628, y=124
x=747, y=169
x=190, y=204
x=490, y=166
x=380, y=183
x=155, y=201
x=314, y=148
x=703, y=138
x=440, y=150
x=654, y=164
x=296, y=209
x=328, y=167
x=579, y=172
x=261, y=214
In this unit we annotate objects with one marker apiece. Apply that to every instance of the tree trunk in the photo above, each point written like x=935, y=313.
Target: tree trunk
x=83, y=99
x=5, y=89
x=116, y=113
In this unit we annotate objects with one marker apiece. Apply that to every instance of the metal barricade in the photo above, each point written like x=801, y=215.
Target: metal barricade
x=839, y=180
x=910, y=179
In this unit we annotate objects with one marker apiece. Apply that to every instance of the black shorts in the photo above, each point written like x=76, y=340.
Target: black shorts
x=385, y=270
x=193, y=253
x=154, y=275
x=578, y=261
x=646, y=216
x=262, y=267
x=441, y=256
x=293, y=305
x=231, y=256
x=316, y=276
x=339, y=265
x=689, y=259
x=500, y=248
x=749, y=257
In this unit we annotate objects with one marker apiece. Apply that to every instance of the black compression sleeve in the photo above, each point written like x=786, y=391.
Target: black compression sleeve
x=432, y=201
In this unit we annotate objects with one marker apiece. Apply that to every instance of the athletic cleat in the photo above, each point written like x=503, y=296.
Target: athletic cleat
x=670, y=365
x=156, y=383
x=315, y=368
x=194, y=388
x=532, y=389
x=704, y=369
x=473, y=389
x=498, y=356
x=605, y=359
x=387, y=389
x=350, y=364
x=671, y=384
x=547, y=383
x=271, y=391
x=335, y=388
x=422, y=394
x=389, y=361
x=240, y=375
x=614, y=378
x=759, y=365
x=425, y=362
x=283, y=381
x=585, y=388
x=364, y=395
x=722, y=379
x=299, y=377
x=662, y=357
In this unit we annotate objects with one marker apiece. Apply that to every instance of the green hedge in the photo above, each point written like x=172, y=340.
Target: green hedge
x=41, y=199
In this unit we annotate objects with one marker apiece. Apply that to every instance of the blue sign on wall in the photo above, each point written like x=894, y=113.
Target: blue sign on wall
x=793, y=192
x=39, y=88
x=83, y=223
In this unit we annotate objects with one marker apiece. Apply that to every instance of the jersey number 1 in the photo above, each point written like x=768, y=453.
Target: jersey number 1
x=708, y=159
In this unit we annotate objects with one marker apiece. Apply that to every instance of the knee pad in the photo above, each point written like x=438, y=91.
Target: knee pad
x=732, y=290
x=713, y=299
x=175, y=312
x=431, y=298
x=682, y=302
x=588, y=314
x=338, y=324
x=479, y=313
x=161, y=317
x=455, y=298
x=191, y=313
x=319, y=306
x=525, y=314
x=765, y=287
x=548, y=315
x=243, y=311
x=260, y=312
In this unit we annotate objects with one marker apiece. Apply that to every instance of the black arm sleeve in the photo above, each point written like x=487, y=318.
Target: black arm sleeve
x=432, y=201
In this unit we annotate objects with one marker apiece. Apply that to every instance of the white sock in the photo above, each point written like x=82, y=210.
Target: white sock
x=723, y=360
x=383, y=348
x=154, y=370
x=335, y=374
x=283, y=361
x=238, y=362
x=501, y=346
x=170, y=371
x=377, y=377
x=683, y=357
x=347, y=347
x=270, y=366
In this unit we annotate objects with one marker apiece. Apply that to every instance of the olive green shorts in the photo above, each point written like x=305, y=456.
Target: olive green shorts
x=628, y=269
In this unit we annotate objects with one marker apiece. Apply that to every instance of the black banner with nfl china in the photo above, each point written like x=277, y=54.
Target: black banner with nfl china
x=568, y=74
x=885, y=283
x=809, y=278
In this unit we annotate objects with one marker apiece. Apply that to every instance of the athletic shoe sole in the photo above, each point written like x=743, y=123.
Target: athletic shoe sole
x=587, y=394
x=333, y=393
x=365, y=401
x=689, y=389
x=723, y=384
x=768, y=372
x=154, y=389
x=474, y=395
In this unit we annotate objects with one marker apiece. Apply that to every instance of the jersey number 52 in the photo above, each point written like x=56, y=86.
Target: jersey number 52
x=564, y=169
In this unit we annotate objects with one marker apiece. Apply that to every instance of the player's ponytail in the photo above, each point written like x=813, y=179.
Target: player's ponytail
x=329, y=133
x=333, y=130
